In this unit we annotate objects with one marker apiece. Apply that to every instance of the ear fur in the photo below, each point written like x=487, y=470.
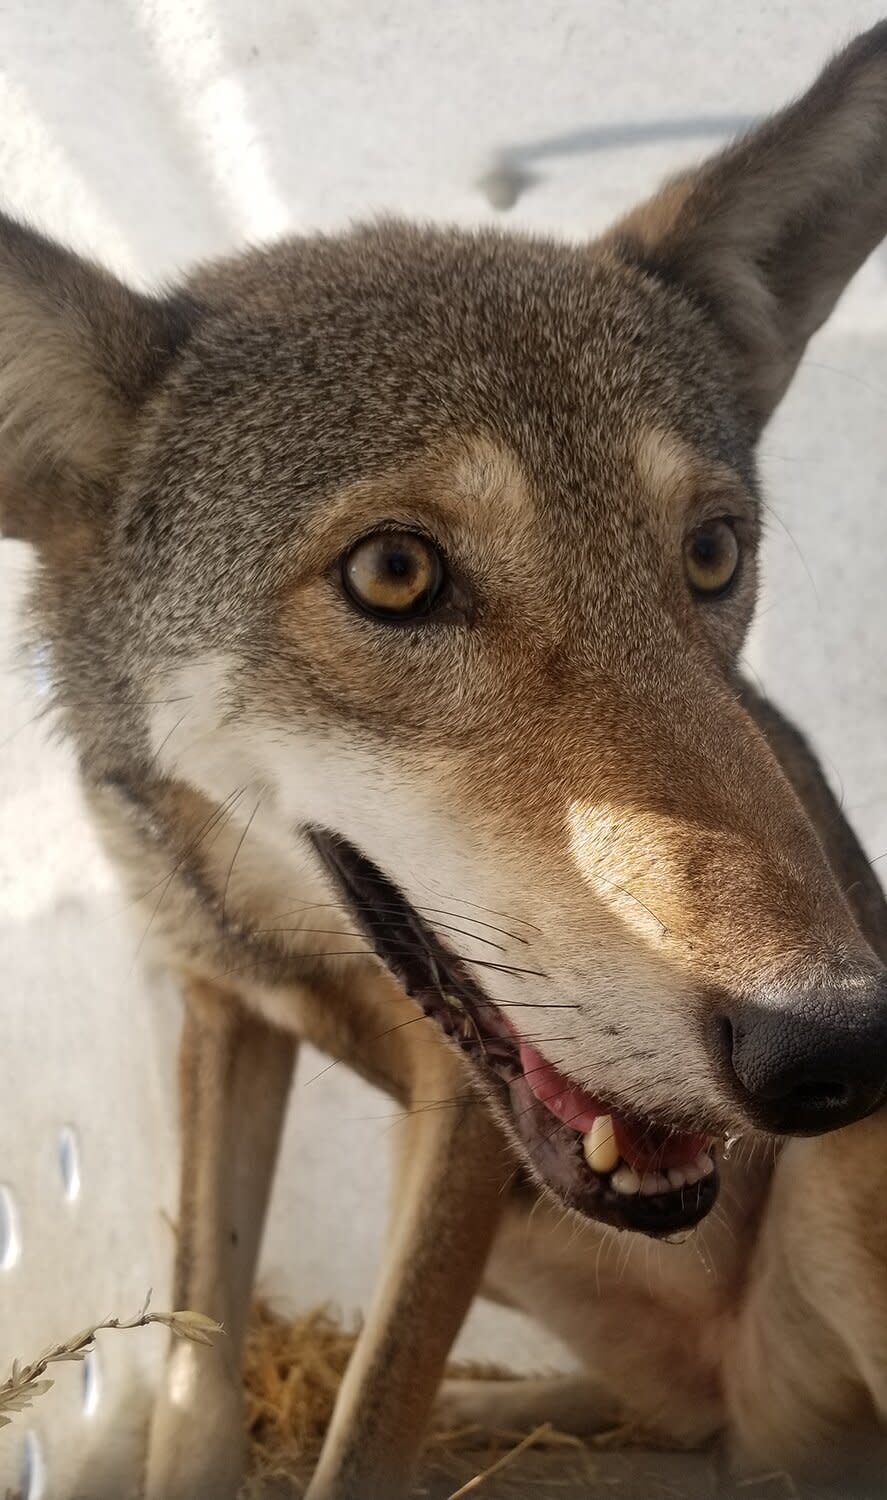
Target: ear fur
x=768, y=233
x=79, y=352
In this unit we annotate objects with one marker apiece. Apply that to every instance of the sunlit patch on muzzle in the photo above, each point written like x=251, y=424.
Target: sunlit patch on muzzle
x=605, y=1163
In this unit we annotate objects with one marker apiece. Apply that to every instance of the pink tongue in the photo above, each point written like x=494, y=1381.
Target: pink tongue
x=570, y=1104
x=642, y=1145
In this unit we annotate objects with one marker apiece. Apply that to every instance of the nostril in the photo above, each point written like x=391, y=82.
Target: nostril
x=820, y=1094
x=725, y=1035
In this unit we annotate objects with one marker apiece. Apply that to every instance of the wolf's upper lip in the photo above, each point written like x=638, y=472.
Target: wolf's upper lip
x=644, y=1146
x=430, y=972
x=440, y=982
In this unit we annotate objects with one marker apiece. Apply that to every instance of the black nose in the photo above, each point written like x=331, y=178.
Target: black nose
x=810, y=1060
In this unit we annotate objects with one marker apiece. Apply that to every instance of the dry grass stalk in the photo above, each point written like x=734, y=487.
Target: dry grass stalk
x=27, y=1382
x=539, y=1434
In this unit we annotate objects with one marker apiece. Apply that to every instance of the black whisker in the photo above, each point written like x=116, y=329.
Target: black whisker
x=382, y=906
x=485, y=963
x=215, y=820
x=240, y=843
x=367, y=906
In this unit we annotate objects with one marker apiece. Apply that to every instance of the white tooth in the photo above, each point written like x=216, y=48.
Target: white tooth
x=693, y=1174
x=676, y=1177
x=704, y=1163
x=599, y=1145
x=653, y=1182
x=626, y=1182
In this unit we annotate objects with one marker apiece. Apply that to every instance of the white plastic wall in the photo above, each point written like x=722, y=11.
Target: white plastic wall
x=154, y=132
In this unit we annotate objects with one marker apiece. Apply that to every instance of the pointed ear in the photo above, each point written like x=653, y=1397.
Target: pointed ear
x=767, y=234
x=79, y=353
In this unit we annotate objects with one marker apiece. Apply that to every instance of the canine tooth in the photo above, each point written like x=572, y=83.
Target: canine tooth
x=599, y=1145
x=704, y=1163
x=676, y=1177
x=653, y=1182
x=626, y=1182
x=693, y=1174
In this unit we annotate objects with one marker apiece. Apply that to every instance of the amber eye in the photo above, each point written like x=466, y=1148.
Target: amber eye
x=394, y=574
x=711, y=557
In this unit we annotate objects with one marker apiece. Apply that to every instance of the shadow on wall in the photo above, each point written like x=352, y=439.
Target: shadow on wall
x=164, y=132
x=511, y=174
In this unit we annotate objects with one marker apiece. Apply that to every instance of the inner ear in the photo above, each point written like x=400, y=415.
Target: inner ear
x=79, y=354
x=767, y=234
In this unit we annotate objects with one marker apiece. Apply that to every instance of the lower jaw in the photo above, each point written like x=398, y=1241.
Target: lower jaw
x=558, y=1162
x=445, y=989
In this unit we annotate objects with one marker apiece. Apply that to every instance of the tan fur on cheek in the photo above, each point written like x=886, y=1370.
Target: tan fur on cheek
x=397, y=681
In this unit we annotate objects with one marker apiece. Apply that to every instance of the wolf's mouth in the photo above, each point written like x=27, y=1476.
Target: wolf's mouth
x=607, y=1164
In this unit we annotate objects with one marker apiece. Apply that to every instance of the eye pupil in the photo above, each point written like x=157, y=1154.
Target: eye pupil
x=711, y=557
x=393, y=575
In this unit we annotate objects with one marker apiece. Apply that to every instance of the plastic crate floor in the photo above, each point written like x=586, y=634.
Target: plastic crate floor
x=626, y=1474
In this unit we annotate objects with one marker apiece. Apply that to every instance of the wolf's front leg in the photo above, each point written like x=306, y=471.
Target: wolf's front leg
x=806, y=1369
x=235, y=1074
x=452, y=1174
